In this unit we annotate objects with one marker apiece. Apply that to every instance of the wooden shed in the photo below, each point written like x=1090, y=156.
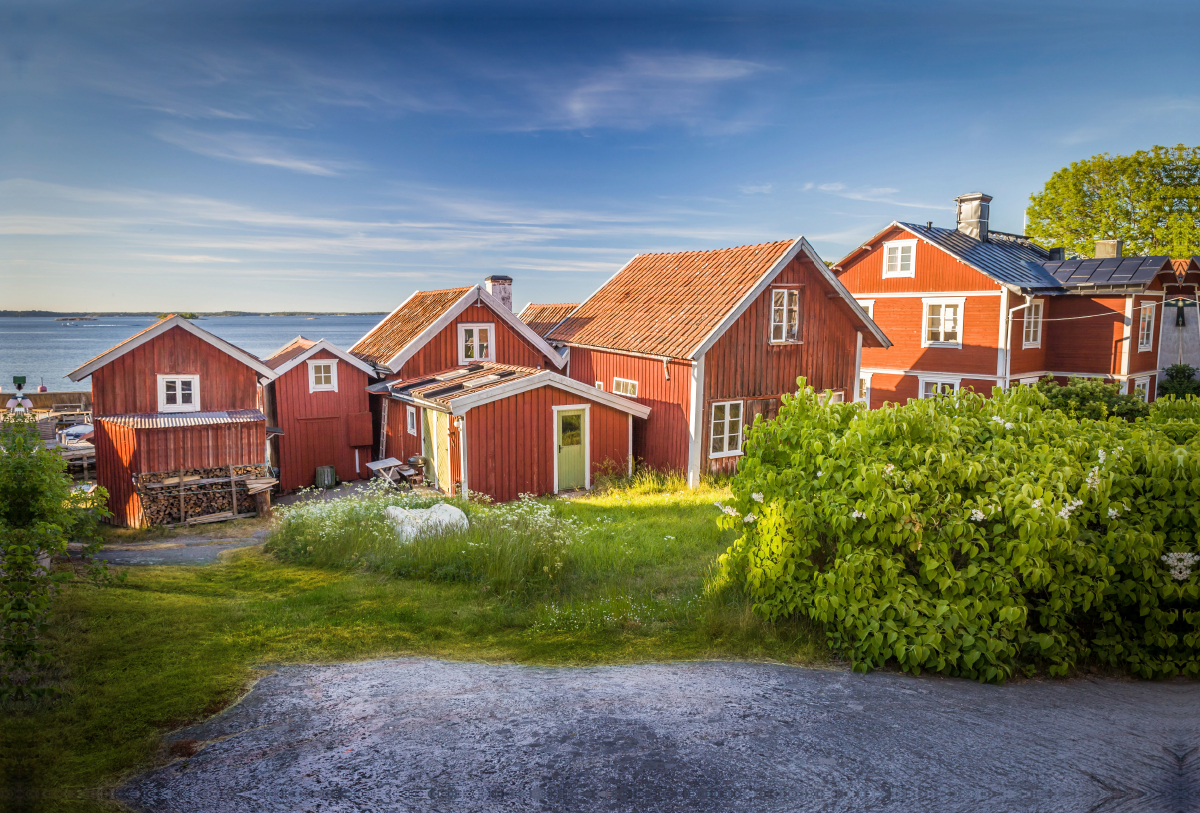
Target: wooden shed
x=505, y=430
x=320, y=403
x=175, y=406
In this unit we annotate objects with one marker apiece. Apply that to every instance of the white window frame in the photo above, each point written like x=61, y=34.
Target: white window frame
x=1027, y=323
x=960, y=301
x=860, y=397
x=463, y=327
x=788, y=295
x=867, y=305
x=900, y=245
x=163, y=406
x=411, y=418
x=313, y=386
x=1140, y=381
x=938, y=380
x=620, y=387
x=600, y=385
x=1029, y=382
x=831, y=397
x=712, y=412
x=1146, y=327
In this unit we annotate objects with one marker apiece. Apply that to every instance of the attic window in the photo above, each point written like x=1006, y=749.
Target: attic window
x=322, y=375
x=475, y=343
x=899, y=258
x=625, y=386
x=178, y=393
x=785, y=315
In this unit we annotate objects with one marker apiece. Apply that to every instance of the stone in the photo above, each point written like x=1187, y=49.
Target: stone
x=412, y=522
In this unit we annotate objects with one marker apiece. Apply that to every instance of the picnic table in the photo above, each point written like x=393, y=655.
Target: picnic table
x=395, y=471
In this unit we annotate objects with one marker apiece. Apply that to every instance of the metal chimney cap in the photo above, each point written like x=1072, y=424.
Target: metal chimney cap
x=498, y=278
x=970, y=196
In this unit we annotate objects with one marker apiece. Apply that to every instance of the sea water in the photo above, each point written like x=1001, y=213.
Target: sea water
x=44, y=350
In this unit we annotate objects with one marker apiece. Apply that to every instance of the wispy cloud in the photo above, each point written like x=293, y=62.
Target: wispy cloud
x=879, y=194
x=246, y=148
x=761, y=189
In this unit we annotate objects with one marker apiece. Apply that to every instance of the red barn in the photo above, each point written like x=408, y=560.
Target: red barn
x=174, y=398
x=711, y=339
x=435, y=331
x=319, y=400
x=974, y=307
x=505, y=430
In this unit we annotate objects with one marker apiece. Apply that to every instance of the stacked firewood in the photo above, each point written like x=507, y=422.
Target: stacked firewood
x=201, y=495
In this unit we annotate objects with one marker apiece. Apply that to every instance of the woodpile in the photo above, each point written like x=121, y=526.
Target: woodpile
x=195, y=496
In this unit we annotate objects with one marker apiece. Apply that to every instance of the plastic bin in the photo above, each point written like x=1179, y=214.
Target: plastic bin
x=326, y=477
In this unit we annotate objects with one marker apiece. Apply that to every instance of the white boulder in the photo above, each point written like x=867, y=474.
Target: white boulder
x=412, y=522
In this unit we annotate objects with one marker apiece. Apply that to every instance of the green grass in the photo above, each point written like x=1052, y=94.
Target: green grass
x=172, y=645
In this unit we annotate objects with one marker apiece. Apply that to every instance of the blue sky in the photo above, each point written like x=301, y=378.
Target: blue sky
x=340, y=156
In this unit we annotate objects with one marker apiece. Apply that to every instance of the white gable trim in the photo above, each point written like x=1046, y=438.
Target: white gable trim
x=381, y=321
x=848, y=297
x=459, y=406
x=324, y=344
x=80, y=373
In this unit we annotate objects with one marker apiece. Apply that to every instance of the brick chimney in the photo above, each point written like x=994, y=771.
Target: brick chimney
x=973, y=210
x=500, y=287
x=1109, y=248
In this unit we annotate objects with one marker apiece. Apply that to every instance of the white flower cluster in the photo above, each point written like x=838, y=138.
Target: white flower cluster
x=1093, y=478
x=820, y=474
x=1102, y=455
x=1113, y=513
x=1067, y=509
x=1036, y=504
x=749, y=518
x=757, y=496
x=1180, y=564
x=889, y=468
x=858, y=515
x=1001, y=421
x=977, y=515
x=726, y=509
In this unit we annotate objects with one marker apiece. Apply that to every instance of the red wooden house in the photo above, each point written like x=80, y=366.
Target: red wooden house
x=711, y=339
x=172, y=398
x=319, y=400
x=972, y=307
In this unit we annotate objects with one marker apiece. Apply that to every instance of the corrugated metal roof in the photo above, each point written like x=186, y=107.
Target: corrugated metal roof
x=544, y=318
x=667, y=304
x=170, y=420
x=288, y=352
x=1005, y=258
x=1108, y=271
x=444, y=387
x=406, y=323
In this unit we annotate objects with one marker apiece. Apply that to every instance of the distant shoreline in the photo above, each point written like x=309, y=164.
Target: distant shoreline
x=78, y=314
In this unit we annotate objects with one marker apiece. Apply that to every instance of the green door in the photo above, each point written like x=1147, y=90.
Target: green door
x=571, y=465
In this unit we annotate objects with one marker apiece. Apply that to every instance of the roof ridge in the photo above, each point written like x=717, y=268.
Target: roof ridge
x=789, y=241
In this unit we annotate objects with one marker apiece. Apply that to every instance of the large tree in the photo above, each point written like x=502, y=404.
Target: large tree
x=1150, y=199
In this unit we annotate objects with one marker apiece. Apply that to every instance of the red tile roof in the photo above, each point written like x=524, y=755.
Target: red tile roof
x=668, y=304
x=544, y=318
x=406, y=323
x=288, y=352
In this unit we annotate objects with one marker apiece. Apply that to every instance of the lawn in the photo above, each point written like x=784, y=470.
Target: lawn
x=171, y=645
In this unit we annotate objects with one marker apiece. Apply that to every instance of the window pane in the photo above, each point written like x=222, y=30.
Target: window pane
x=950, y=323
x=734, y=429
x=777, y=299
x=483, y=343
x=906, y=253
x=171, y=390
x=718, y=428
x=185, y=392
x=893, y=259
x=572, y=430
x=933, y=325
x=793, y=315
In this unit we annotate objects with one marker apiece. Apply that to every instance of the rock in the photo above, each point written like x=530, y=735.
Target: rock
x=412, y=522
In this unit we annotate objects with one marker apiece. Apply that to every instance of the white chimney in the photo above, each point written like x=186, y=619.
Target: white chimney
x=1109, y=248
x=500, y=287
x=973, y=210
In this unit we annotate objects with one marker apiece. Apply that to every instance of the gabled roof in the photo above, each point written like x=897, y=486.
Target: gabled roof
x=459, y=389
x=300, y=350
x=677, y=305
x=288, y=352
x=423, y=315
x=157, y=329
x=1108, y=273
x=544, y=318
x=1008, y=259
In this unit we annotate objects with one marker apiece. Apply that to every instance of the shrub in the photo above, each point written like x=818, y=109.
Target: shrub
x=511, y=549
x=974, y=536
x=1179, y=381
x=1092, y=398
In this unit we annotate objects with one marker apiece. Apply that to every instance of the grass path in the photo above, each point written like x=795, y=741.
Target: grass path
x=172, y=645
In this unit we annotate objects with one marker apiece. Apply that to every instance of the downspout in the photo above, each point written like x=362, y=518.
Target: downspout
x=1008, y=341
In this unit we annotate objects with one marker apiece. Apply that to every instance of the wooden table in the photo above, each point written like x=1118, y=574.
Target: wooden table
x=394, y=471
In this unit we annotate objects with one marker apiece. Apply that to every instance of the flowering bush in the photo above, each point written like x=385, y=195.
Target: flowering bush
x=973, y=536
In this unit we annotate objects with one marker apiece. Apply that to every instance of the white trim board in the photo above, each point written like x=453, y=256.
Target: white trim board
x=323, y=344
x=695, y=424
x=915, y=294
x=153, y=332
x=459, y=406
x=587, y=440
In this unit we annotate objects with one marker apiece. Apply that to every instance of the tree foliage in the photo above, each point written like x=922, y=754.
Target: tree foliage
x=1150, y=199
x=40, y=512
x=976, y=536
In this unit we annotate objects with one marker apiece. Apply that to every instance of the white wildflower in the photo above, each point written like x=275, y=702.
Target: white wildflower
x=1113, y=513
x=749, y=518
x=977, y=515
x=1008, y=426
x=1037, y=503
x=730, y=510
x=1067, y=509
x=1181, y=564
x=889, y=468
x=858, y=515
x=820, y=473
x=1093, y=478
x=997, y=419
x=757, y=496
x=668, y=537
x=1102, y=455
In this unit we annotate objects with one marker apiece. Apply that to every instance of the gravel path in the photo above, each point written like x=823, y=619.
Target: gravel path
x=425, y=735
x=182, y=550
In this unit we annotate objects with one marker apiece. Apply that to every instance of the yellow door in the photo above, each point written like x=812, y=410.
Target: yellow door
x=572, y=469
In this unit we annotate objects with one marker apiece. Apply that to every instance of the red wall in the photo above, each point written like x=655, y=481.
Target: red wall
x=400, y=444
x=316, y=425
x=441, y=352
x=1086, y=345
x=660, y=441
x=511, y=442
x=935, y=271
x=128, y=384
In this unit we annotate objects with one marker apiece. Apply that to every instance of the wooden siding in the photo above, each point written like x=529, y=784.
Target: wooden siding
x=744, y=365
x=122, y=452
x=441, y=351
x=511, y=442
x=662, y=440
x=1141, y=361
x=935, y=271
x=1086, y=345
x=129, y=383
x=901, y=319
x=317, y=425
x=400, y=444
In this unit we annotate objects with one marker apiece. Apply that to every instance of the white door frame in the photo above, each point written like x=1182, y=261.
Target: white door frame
x=587, y=441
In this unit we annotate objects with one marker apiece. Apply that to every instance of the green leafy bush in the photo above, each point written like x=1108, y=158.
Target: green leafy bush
x=1092, y=398
x=1179, y=381
x=974, y=536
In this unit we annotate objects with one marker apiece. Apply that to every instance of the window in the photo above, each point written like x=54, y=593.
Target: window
x=943, y=323
x=785, y=316
x=322, y=375
x=1146, y=328
x=600, y=385
x=1033, y=324
x=868, y=305
x=899, y=258
x=623, y=386
x=832, y=397
x=726, y=429
x=1031, y=381
x=864, y=389
x=179, y=393
x=475, y=343
x=931, y=387
x=1140, y=389
x=412, y=421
